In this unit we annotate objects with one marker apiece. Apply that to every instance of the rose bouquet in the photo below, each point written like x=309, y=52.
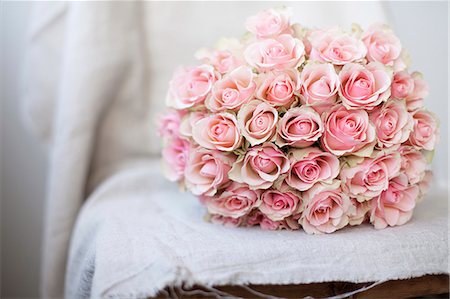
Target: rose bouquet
x=292, y=127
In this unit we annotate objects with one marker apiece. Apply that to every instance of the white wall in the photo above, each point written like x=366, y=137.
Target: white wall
x=422, y=28
x=23, y=167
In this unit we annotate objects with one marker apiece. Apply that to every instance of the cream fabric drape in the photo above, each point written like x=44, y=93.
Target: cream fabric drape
x=87, y=98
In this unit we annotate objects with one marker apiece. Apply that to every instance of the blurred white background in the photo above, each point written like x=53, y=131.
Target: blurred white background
x=421, y=26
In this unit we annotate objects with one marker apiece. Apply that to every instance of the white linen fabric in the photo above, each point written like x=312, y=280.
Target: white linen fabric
x=96, y=78
x=137, y=233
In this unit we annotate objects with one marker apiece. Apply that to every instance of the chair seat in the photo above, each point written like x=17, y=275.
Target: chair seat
x=138, y=233
x=436, y=286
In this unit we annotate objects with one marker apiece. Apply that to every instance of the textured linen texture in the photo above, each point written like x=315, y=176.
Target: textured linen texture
x=138, y=233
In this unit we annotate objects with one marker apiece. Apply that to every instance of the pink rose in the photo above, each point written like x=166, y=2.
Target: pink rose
x=260, y=166
x=413, y=164
x=424, y=184
x=326, y=208
x=190, y=86
x=188, y=122
x=395, y=205
x=278, y=87
x=336, y=47
x=257, y=122
x=226, y=221
x=217, y=131
x=277, y=205
x=348, y=132
x=382, y=45
x=369, y=177
x=358, y=213
x=320, y=84
x=175, y=156
x=169, y=124
x=309, y=166
x=364, y=87
x=402, y=85
x=270, y=22
x=235, y=201
x=267, y=224
x=288, y=224
x=207, y=171
x=256, y=217
x=222, y=60
x=278, y=53
x=393, y=124
x=299, y=127
x=425, y=130
x=410, y=87
x=415, y=99
x=232, y=91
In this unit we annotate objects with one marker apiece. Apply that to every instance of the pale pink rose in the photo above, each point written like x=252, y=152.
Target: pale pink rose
x=232, y=91
x=290, y=223
x=425, y=184
x=218, y=131
x=256, y=217
x=309, y=166
x=190, y=86
x=320, y=84
x=270, y=22
x=364, y=87
x=402, y=85
x=169, y=124
x=335, y=46
x=189, y=121
x=414, y=164
x=326, y=208
x=348, y=132
x=278, y=87
x=278, y=53
x=359, y=212
x=382, y=44
x=267, y=224
x=175, y=155
x=207, y=171
x=410, y=87
x=222, y=60
x=299, y=127
x=260, y=166
x=277, y=205
x=393, y=124
x=257, y=122
x=415, y=99
x=425, y=133
x=370, y=177
x=395, y=205
x=235, y=201
x=226, y=221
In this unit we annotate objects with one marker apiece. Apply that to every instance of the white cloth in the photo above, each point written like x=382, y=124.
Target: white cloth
x=96, y=78
x=87, y=97
x=137, y=233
